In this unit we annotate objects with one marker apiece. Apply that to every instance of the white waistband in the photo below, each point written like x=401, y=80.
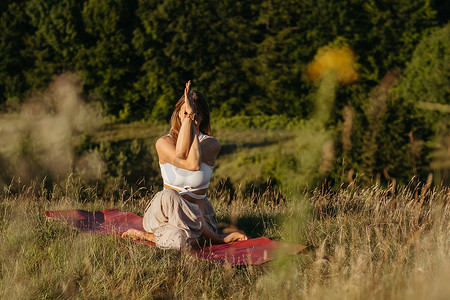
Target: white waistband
x=189, y=192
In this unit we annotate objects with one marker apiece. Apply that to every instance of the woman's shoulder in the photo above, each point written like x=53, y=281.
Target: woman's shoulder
x=202, y=137
x=212, y=144
x=208, y=138
x=165, y=139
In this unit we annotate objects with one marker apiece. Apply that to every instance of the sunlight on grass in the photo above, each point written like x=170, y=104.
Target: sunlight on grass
x=363, y=242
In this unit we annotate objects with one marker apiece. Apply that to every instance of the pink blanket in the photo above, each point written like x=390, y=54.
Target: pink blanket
x=112, y=221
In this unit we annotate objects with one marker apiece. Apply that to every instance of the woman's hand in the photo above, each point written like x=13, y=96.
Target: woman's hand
x=189, y=106
x=235, y=237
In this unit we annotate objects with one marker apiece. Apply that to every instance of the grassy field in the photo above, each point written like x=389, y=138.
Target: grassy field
x=369, y=242
x=374, y=243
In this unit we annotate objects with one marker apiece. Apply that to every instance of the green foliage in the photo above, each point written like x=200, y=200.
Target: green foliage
x=106, y=57
x=54, y=42
x=403, y=143
x=394, y=135
x=14, y=28
x=125, y=161
x=409, y=130
x=389, y=32
x=260, y=121
x=247, y=58
x=205, y=43
x=135, y=56
x=426, y=83
x=427, y=75
x=131, y=161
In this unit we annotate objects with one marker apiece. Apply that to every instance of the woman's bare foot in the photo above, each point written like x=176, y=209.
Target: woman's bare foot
x=235, y=237
x=135, y=234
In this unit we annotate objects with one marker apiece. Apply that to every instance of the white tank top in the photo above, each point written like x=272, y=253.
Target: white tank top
x=188, y=181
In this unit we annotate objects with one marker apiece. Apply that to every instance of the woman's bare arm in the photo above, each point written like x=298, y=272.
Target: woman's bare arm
x=187, y=133
x=186, y=137
x=166, y=148
x=206, y=152
x=185, y=152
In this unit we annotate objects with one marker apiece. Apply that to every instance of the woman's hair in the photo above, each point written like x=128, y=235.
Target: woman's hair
x=202, y=109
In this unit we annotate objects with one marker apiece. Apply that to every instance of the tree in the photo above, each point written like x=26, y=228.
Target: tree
x=197, y=40
x=427, y=74
x=55, y=40
x=106, y=58
x=396, y=132
x=426, y=88
x=14, y=29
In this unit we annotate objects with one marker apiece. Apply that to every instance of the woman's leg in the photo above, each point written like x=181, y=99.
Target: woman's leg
x=170, y=237
x=135, y=234
x=174, y=222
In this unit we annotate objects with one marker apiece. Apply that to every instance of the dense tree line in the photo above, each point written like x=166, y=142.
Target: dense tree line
x=248, y=57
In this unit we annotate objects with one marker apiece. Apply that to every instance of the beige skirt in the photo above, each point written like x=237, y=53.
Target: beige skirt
x=176, y=222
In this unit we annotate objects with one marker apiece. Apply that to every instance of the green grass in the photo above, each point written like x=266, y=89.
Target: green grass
x=249, y=156
x=375, y=243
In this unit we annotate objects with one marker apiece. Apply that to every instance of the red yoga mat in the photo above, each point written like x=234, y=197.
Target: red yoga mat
x=112, y=221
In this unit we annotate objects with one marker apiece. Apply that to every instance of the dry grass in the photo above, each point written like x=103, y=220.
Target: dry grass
x=374, y=243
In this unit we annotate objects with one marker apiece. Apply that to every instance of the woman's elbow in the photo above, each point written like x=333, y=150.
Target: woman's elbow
x=194, y=167
x=181, y=155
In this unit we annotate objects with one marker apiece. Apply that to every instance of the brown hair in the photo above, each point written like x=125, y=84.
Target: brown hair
x=202, y=109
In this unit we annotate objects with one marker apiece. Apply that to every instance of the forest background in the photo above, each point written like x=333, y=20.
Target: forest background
x=129, y=61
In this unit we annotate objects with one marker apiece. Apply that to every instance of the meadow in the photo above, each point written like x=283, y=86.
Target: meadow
x=330, y=122
x=373, y=241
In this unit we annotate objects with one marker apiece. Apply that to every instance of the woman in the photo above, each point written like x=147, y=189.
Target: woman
x=181, y=216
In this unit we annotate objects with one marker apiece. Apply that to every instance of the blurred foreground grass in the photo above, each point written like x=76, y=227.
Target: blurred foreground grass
x=374, y=243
